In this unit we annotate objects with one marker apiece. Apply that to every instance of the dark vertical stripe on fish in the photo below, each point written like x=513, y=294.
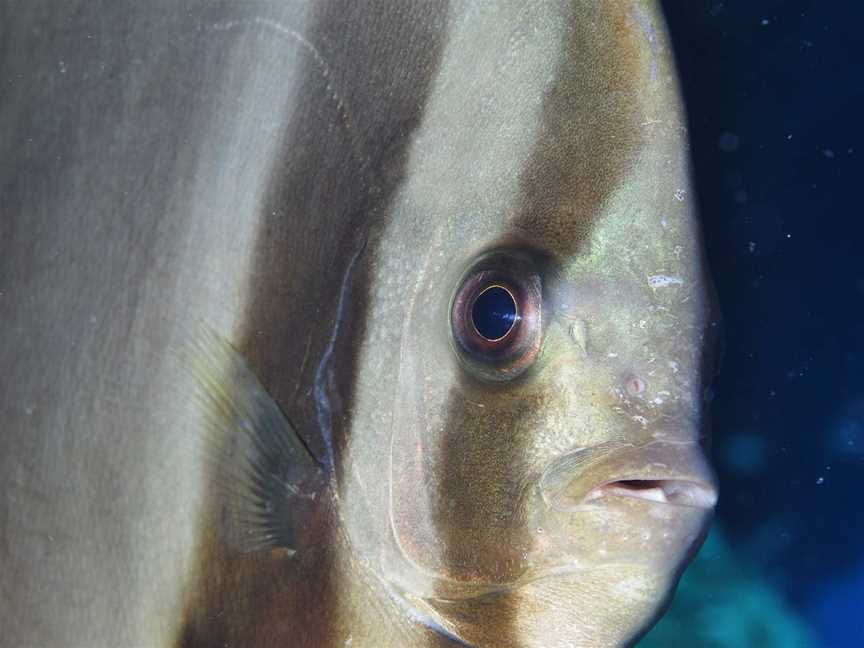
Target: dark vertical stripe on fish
x=368, y=68
x=590, y=131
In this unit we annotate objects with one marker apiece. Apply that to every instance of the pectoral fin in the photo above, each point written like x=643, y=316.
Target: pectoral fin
x=267, y=479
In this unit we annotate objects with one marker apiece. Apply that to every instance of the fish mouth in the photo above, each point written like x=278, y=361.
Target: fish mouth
x=667, y=474
x=675, y=492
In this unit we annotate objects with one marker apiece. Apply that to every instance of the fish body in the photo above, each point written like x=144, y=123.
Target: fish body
x=310, y=201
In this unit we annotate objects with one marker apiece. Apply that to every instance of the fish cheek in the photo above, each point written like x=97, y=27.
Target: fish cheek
x=479, y=508
x=465, y=524
x=458, y=478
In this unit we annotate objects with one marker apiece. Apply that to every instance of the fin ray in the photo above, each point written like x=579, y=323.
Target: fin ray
x=265, y=476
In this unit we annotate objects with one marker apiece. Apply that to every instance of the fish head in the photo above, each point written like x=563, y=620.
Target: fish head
x=526, y=454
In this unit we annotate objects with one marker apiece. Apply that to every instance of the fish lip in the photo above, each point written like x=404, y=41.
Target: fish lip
x=674, y=491
x=673, y=474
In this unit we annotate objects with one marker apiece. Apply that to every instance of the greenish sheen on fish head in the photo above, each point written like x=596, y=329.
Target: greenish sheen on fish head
x=525, y=464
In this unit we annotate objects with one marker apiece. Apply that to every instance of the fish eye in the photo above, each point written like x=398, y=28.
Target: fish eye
x=495, y=318
x=494, y=313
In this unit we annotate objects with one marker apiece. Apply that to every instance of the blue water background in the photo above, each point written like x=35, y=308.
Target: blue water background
x=774, y=94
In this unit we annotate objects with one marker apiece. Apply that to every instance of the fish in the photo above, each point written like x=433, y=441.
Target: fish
x=337, y=324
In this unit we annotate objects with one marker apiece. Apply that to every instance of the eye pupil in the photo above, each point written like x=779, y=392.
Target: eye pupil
x=494, y=313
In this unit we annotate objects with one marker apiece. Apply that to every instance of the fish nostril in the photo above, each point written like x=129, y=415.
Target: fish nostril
x=635, y=386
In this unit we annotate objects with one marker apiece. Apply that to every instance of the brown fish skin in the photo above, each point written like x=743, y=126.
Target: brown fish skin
x=226, y=164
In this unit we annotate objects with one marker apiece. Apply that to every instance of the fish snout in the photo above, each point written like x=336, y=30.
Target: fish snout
x=672, y=473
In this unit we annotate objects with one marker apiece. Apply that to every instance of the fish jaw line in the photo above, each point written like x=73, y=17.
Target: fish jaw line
x=669, y=478
x=623, y=503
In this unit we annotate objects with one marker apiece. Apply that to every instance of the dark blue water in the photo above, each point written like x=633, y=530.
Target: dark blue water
x=775, y=96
